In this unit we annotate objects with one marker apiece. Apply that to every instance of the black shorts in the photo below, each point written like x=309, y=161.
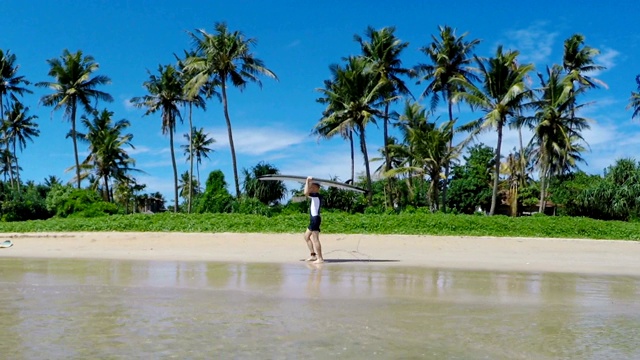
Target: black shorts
x=314, y=223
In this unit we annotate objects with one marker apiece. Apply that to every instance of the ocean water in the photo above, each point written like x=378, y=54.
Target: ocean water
x=105, y=309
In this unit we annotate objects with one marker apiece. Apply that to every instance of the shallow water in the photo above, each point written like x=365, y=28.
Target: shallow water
x=104, y=309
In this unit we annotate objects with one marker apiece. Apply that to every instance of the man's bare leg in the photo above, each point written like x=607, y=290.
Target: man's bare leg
x=307, y=239
x=315, y=239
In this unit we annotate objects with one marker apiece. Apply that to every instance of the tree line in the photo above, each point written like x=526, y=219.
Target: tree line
x=420, y=168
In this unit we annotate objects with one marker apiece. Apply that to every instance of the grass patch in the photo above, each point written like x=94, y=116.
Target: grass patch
x=342, y=223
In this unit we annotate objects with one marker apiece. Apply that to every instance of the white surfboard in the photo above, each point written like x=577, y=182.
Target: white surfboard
x=303, y=179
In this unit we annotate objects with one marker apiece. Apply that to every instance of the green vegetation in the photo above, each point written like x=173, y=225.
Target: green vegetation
x=418, y=223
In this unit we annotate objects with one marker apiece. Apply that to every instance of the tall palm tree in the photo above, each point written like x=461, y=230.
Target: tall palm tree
x=330, y=129
x=500, y=96
x=74, y=86
x=352, y=98
x=198, y=145
x=382, y=49
x=197, y=100
x=578, y=60
x=19, y=127
x=107, y=157
x=634, y=100
x=10, y=82
x=166, y=94
x=225, y=57
x=557, y=132
x=450, y=57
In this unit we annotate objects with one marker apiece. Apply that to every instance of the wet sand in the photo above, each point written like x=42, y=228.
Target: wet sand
x=479, y=253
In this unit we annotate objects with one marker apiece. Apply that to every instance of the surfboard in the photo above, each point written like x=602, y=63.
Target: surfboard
x=303, y=179
x=6, y=244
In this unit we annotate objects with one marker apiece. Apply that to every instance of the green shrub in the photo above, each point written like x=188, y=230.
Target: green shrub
x=97, y=209
x=251, y=205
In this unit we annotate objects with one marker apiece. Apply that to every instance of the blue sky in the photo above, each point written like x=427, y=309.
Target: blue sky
x=298, y=40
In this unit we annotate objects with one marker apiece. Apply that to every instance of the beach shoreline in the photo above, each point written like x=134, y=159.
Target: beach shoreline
x=607, y=257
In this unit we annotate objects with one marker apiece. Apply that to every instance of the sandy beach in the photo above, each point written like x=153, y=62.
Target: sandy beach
x=482, y=253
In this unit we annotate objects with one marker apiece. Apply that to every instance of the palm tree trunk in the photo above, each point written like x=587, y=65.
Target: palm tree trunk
x=496, y=173
x=387, y=162
x=106, y=188
x=353, y=164
x=523, y=178
x=17, y=165
x=231, y=146
x=75, y=142
x=445, y=184
x=198, y=171
x=363, y=147
x=543, y=178
x=433, y=190
x=190, y=156
x=10, y=161
x=175, y=169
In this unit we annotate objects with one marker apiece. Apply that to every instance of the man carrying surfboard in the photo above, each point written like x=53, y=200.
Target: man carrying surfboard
x=312, y=234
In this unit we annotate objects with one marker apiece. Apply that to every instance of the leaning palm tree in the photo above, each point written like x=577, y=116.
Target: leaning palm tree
x=450, y=57
x=634, y=101
x=74, y=86
x=198, y=147
x=224, y=57
x=166, y=94
x=352, y=99
x=382, y=49
x=10, y=82
x=500, y=96
x=107, y=157
x=19, y=127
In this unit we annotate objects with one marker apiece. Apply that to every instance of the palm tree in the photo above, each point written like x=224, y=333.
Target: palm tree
x=7, y=163
x=268, y=192
x=107, y=158
x=10, y=82
x=500, y=96
x=18, y=128
x=186, y=186
x=74, y=86
x=428, y=152
x=352, y=97
x=382, y=49
x=634, y=101
x=328, y=130
x=199, y=143
x=556, y=130
x=450, y=57
x=197, y=100
x=577, y=60
x=166, y=94
x=52, y=180
x=225, y=57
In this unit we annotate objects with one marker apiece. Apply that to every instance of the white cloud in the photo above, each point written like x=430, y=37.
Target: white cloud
x=607, y=58
x=138, y=150
x=259, y=140
x=535, y=43
x=292, y=44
